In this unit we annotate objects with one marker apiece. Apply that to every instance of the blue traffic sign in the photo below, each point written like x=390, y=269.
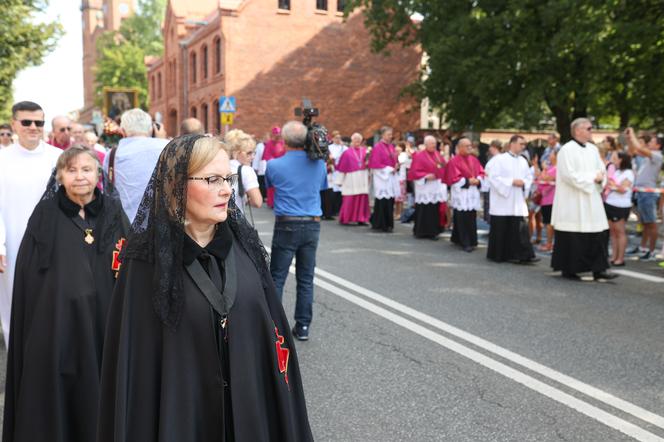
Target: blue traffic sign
x=227, y=104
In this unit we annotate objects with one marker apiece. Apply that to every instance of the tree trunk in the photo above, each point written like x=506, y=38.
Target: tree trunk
x=562, y=123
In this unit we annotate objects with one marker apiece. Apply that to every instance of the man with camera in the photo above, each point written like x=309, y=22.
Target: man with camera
x=297, y=181
x=130, y=165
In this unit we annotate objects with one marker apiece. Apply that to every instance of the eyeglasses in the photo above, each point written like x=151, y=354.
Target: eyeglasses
x=5, y=134
x=28, y=123
x=68, y=129
x=215, y=182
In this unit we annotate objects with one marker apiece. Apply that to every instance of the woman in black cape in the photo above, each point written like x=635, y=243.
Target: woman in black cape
x=65, y=273
x=198, y=347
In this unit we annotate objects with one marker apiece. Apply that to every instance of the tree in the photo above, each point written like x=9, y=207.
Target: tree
x=496, y=58
x=23, y=43
x=121, y=61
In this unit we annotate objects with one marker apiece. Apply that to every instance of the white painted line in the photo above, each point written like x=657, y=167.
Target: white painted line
x=638, y=275
x=536, y=367
x=589, y=410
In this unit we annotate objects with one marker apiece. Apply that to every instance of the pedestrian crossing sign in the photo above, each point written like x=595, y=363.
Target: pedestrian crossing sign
x=226, y=118
x=227, y=104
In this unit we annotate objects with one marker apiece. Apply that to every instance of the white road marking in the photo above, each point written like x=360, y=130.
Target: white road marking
x=638, y=275
x=536, y=367
x=551, y=392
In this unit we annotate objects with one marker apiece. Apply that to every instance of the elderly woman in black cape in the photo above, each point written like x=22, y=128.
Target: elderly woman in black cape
x=65, y=272
x=198, y=347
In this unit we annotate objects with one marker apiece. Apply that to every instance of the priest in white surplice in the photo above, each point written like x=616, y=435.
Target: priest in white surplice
x=510, y=180
x=25, y=168
x=578, y=216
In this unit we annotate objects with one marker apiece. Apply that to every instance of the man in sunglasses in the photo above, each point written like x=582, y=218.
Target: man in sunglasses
x=62, y=128
x=25, y=168
x=5, y=135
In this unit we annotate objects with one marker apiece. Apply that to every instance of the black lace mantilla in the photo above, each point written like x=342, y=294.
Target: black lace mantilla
x=157, y=233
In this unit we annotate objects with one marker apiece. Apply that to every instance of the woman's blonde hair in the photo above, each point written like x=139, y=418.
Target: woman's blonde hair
x=238, y=141
x=66, y=157
x=204, y=151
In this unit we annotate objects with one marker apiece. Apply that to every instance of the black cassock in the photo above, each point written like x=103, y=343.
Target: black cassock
x=62, y=293
x=201, y=382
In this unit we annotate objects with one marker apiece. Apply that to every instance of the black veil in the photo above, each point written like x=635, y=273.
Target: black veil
x=157, y=233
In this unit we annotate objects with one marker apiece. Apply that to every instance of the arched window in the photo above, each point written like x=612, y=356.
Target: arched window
x=193, y=67
x=217, y=55
x=152, y=89
x=205, y=117
x=204, y=64
x=217, y=117
x=159, y=85
x=193, y=113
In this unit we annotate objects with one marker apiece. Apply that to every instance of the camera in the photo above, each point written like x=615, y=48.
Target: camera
x=316, y=145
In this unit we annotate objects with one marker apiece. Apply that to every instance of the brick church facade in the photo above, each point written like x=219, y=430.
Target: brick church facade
x=269, y=54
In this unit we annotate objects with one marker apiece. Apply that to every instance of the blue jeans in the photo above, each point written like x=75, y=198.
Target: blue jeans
x=297, y=239
x=646, y=204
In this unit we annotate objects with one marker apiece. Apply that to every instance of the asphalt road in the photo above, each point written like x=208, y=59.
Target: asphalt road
x=415, y=340
x=427, y=368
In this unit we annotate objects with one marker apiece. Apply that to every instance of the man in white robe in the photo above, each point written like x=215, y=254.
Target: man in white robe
x=578, y=216
x=510, y=180
x=25, y=168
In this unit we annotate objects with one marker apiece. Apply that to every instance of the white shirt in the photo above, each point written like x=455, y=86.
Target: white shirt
x=23, y=177
x=249, y=181
x=618, y=199
x=466, y=199
x=135, y=160
x=257, y=163
x=427, y=192
x=335, y=152
x=506, y=199
x=577, y=204
x=385, y=183
x=354, y=183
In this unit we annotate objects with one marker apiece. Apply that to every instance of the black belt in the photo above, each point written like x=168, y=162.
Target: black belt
x=297, y=218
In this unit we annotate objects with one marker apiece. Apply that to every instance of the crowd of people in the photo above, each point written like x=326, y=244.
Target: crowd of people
x=120, y=268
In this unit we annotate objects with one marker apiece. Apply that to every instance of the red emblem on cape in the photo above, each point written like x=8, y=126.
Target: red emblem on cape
x=115, y=265
x=282, y=354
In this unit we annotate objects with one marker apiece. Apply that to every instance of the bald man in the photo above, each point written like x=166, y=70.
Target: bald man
x=61, y=128
x=191, y=126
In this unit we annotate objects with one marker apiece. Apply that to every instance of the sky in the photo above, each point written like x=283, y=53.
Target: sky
x=57, y=84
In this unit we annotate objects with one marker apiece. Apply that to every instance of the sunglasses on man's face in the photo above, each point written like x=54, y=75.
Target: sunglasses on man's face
x=28, y=123
x=68, y=129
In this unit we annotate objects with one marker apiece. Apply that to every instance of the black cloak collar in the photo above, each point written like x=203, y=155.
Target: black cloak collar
x=220, y=245
x=71, y=209
x=579, y=142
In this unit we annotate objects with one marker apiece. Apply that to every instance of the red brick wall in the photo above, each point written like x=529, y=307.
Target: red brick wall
x=271, y=59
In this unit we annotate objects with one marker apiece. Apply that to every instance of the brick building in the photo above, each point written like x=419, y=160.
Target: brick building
x=98, y=16
x=271, y=53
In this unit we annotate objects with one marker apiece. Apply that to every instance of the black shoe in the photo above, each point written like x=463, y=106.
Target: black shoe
x=468, y=249
x=618, y=264
x=572, y=276
x=301, y=332
x=604, y=276
x=532, y=260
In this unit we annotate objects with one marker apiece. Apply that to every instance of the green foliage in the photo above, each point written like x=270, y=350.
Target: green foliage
x=121, y=61
x=526, y=60
x=23, y=42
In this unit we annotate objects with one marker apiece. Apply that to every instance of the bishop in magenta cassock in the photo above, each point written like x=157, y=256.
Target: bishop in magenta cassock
x=274, y=148
x=427, y=172
x=383, y=165
x=464, y=175
x=353, y=178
